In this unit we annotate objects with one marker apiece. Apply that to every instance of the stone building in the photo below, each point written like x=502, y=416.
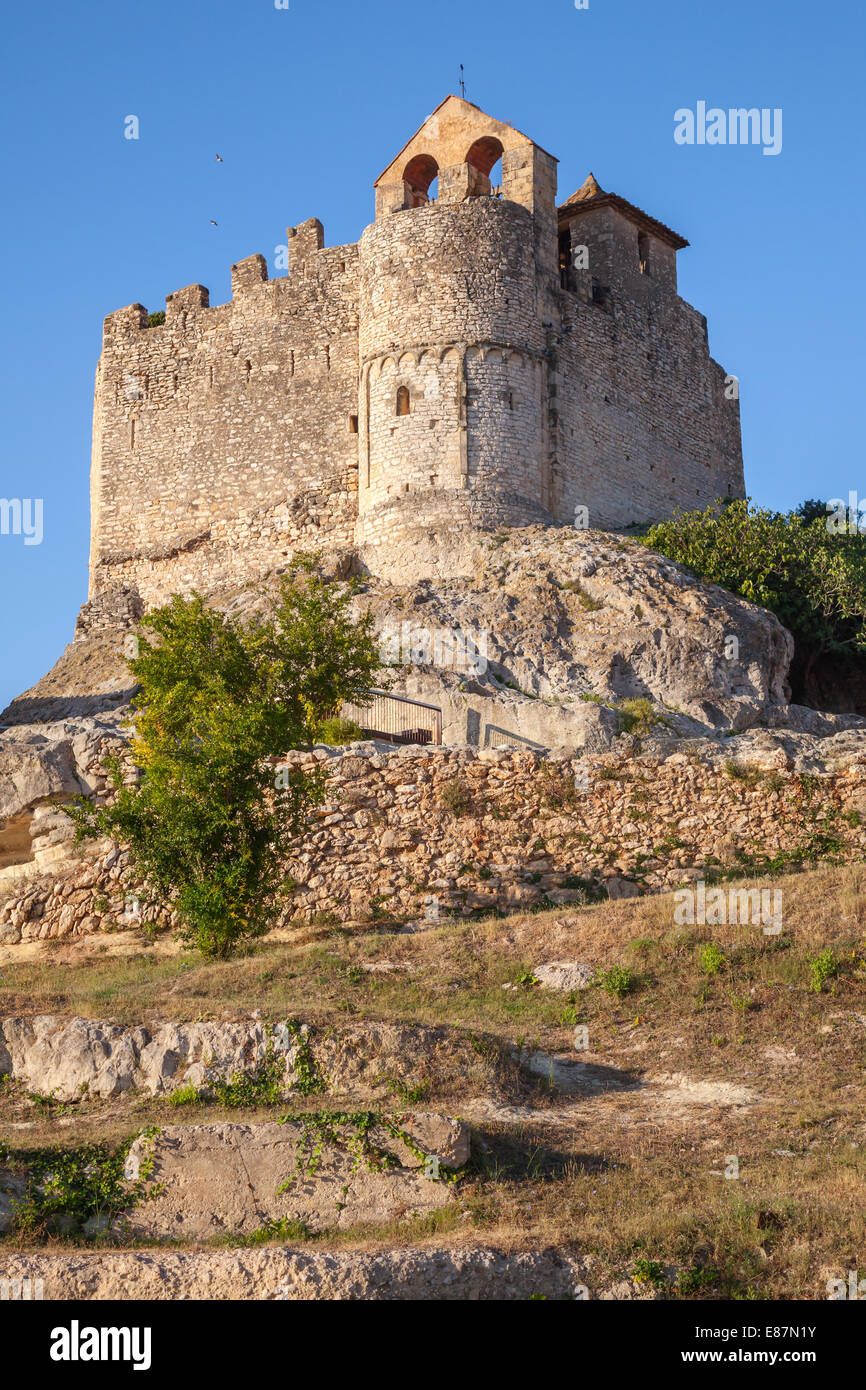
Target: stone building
x=480, y=358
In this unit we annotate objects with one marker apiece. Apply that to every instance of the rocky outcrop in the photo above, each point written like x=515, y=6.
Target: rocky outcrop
x=320, y=1172
x=90, y=679
x=468, y=1273
x=565, y=614
x=42, y=766
x=568, y=614
x=78, y=1058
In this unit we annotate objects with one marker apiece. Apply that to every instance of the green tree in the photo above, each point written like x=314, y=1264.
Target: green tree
x=211, y=816
x=812, y=509
x=813, y=580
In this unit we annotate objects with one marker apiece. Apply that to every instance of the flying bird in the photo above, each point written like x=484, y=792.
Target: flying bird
x=214, y=224
x=220, y=159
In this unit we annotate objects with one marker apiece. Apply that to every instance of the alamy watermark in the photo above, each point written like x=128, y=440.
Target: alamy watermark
x=845, y=520
x=22, y=516
x=737, y=126
x=454, y=649
x=21, y=1290
x=713, y=907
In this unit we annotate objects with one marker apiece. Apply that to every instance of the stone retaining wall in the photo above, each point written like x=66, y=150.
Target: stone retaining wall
x=419, y=833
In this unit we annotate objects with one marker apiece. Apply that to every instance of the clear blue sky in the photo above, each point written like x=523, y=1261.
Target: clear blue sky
x=308, y=105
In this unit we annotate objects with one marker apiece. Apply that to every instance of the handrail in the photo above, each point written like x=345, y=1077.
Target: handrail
x=377, y=717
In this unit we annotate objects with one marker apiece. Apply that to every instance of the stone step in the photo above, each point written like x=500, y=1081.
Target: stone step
x=72, y=1059
x=464, y=1274
x=314, y=1172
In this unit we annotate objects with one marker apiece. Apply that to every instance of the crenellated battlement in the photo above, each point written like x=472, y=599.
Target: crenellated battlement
x=190, y=306
x=481, y=357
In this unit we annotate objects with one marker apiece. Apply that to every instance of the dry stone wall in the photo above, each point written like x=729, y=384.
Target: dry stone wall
x=418, y=834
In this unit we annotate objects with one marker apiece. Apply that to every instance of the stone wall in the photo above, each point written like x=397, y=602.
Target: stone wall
x=224, y=438
x=643, y=424
x=415, y=833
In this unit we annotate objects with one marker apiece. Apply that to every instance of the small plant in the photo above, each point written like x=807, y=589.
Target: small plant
x=525, y=978
x=184, y=1095
x=584, y=598
x=592, y=891
x=821, y=969
x=637, y=717
x=69, y=1190
x=738, y=772
x=695, y=1281
x=325, y=917
x=309, y=1080
x=712, y=959
x=263, y=1086
x=648, y=1272
x=740, y=1003
x=410, y=1095
x=455, y=798
x=278, y=1228
x=156, y=319
x=617, y=982
x=336, y=731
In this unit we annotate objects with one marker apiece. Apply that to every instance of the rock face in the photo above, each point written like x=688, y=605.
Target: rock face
x=566, y=614
x=88, y=681
x=235, y=1179
x=72, y=1058
x=464, y=1274
x=562, y=613
x=42, y=765
x=565, y=975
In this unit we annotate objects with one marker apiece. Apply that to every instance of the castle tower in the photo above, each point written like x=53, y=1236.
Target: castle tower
x=454, y=372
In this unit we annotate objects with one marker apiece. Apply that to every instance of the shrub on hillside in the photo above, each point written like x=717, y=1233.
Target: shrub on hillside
x=812, y=579
x=211, y=818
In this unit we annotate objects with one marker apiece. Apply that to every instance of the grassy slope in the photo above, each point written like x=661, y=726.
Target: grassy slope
x=624, y=1174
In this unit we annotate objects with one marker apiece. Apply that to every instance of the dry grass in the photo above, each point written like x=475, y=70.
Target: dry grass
x=618, y=1175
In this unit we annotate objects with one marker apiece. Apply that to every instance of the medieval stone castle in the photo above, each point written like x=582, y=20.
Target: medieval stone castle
x=481, y=358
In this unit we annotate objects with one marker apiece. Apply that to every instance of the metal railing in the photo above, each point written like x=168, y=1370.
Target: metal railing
x=396, y=718
x=495, y=737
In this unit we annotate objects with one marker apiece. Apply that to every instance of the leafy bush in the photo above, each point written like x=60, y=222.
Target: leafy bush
x=337, y=731
x=617, y=982
x=211, y=817
x=157, y=319
x=821, y=969
x=712, y=959
x=813, y=580
x=649, y=1272
x=184, y=1095
x=75, y=1190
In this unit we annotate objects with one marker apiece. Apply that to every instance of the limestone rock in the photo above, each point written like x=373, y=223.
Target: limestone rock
x=233, y=1179
x=564, y=975
x=277, y=1272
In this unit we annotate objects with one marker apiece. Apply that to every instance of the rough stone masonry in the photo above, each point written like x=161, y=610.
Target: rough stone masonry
x=480, y=358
